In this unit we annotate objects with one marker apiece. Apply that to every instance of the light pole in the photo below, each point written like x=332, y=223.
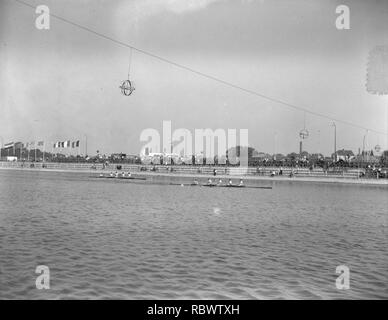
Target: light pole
x=185, y=153
x=363, y=146
x=274, y=145
x=319, y=143
x=86, y=146
x=335, y=141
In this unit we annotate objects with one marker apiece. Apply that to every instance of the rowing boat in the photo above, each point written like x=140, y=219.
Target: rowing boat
x=219, y=186
x=184, y=184
x=120, y=177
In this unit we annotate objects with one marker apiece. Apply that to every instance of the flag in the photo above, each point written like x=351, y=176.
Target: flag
x=9, y=145
x=40, y=143
x=77, y=143
x=73, y=144
x=62, y=144
x=67, y=144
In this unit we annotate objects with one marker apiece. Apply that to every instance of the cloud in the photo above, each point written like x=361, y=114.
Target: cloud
x=130, y=15
x=141, y=9
x=179, y=6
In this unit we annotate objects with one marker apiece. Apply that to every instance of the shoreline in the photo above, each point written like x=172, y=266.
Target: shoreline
x=184, y=177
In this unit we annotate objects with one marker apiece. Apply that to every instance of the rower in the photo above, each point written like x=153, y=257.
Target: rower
x=220, y=181
x=101, y=175
x=129, y=174
x=195, y=181
x=111, y=174
x=241, y=182
x=230, y=182
x=209, y=181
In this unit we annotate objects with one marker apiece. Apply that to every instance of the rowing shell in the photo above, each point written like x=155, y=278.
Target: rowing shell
x=123, y=178
x=219, y=186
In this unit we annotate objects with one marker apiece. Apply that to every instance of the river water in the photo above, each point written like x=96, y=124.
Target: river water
x=112, y=239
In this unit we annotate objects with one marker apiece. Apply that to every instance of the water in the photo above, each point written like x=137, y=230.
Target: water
x=116, y=239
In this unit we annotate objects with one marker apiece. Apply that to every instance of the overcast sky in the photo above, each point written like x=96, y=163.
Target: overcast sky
x=63, y=83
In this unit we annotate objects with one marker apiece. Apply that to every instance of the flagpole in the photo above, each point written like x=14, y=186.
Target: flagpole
x=86, y=145
x=56, y=150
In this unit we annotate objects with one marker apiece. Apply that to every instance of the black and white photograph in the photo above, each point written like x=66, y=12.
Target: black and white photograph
x=193, y=150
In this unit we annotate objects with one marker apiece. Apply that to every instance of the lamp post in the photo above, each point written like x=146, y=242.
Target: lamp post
x=274, y=144
x=363, y=146
x=303, y=134
x=86, y=146
x=319, y=143
x=335, y=141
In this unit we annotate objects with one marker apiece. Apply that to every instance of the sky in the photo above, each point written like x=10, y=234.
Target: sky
x=63, y=83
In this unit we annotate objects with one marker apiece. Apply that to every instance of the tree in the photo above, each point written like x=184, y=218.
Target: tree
x=292, y=156
x=236, y=151
x=384, y=158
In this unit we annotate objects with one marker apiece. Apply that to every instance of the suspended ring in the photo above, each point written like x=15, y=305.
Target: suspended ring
x=303, y=134
x=127, y=87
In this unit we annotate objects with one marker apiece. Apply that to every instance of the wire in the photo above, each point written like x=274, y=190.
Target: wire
x=204, y=75
x=130, y=61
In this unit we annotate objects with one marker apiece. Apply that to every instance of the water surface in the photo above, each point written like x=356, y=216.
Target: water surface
x=121, y=240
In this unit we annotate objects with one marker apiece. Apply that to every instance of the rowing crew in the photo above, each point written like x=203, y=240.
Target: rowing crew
x=117, y=175
x=230, y=183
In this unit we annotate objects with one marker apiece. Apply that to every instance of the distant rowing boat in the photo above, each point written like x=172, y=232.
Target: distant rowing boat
x=215, y=185
x=119, y=177
x=219, y=185
x=224, y=185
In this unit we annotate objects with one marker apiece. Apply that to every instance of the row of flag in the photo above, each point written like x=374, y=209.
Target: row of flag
x=66, y=144
x=72, y=147
x=32, y=144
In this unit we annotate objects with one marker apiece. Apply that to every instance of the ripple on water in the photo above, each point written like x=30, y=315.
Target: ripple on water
x=105, y=240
